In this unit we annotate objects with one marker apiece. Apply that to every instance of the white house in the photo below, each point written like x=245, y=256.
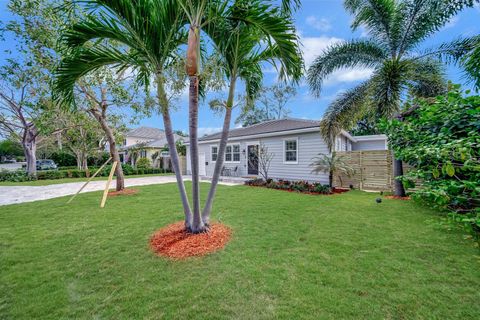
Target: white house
x=292, y=142
x=145, y=142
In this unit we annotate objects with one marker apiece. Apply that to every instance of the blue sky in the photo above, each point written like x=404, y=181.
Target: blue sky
x=319, y=23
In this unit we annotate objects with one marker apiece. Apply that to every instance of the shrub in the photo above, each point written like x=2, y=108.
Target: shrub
x=322, y=188
x=143, y=163
x=64, y=159
x=441, y=139
x=15, y=176
x=255, y=182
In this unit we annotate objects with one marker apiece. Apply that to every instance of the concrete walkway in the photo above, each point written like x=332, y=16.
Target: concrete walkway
x=20, y=194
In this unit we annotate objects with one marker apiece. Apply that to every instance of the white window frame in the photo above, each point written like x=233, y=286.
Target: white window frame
x=239, y=152
x=285, y=151
x=211, y=152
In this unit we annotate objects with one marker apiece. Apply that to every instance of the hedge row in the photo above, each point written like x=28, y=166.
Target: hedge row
x=20, y=175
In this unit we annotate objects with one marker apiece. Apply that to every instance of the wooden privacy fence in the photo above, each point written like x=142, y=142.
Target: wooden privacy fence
x=373, y=170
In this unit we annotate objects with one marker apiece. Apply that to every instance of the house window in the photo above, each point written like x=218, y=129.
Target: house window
x=143, y=154
x=232, y=153
x=214, y=153
x=291, y=151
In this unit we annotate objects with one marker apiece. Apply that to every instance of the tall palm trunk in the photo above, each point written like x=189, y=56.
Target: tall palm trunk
x=399, y=190
x=192, y=69
x=221, y=153
x=167, y=123
x=198, y=225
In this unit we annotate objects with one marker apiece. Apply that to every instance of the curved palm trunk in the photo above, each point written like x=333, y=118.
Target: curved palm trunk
x=167, y=122
x=399, y=190
x=221, y=154
x=198, y=225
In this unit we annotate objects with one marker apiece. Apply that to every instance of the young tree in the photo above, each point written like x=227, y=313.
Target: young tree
x=333, y=165
x=24, y=108
x=395, y=28
x=264, y=158
x=83, y=138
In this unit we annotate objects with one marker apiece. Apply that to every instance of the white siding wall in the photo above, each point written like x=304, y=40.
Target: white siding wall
x=309, y=146
x=369, y=145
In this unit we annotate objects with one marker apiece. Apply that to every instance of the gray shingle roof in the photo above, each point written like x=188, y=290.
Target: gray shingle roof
x=146, y=132
x=159, y=143
x=267, y=127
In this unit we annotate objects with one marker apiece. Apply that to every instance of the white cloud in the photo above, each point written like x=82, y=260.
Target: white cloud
x=312, y=47
x=349, y=75
x=321, y=24
x=208, y=130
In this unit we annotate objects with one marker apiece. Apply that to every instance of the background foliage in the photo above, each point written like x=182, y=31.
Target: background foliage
x=441, y=138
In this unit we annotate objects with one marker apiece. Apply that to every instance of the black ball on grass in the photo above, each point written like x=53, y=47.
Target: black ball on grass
x=378, y=200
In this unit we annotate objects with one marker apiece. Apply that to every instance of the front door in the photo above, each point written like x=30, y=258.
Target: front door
x=252, y=159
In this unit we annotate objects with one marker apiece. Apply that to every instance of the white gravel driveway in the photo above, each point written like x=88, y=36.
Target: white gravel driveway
x=20, y=194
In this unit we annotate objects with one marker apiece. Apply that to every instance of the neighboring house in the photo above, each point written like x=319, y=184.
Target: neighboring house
x=293, y=142
x=145, y=142
x=372, y=142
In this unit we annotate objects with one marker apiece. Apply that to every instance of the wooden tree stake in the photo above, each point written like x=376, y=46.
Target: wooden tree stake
x=105, y=193
x=88, y=181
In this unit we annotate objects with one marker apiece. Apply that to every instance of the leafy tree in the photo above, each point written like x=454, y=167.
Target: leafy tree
x=440, y=139
x=333, y=164
x=396, y=29
x=83, y=138
x=27, y=107
x=10, y=148
x=271, y=104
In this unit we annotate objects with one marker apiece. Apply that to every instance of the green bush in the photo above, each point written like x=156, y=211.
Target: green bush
x=441, y=140
x=63, y=159
x=15, y=176
x=143, y=163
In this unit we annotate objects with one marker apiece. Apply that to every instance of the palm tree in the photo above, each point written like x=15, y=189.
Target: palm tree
x=141, y=35
x=396, y=28
x=204, y=13
x=331, y=164
x=260, y=34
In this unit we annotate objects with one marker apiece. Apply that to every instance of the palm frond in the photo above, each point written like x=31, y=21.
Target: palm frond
x=86, y=60
x=344, y=55
x=426, y=78
x=463, y=52
x=344, y=112
x=376, y=16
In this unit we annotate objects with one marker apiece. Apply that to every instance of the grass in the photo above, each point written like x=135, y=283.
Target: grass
x=67, y=180
x=292, y=256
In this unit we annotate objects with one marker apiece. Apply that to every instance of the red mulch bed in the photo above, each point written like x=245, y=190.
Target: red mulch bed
x=124, y=192
x=175, y=243
x=397, y=198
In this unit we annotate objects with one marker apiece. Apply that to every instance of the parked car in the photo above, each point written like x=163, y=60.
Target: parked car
x=46, y=164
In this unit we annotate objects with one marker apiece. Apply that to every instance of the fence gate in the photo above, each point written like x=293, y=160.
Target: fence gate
x=373, y=170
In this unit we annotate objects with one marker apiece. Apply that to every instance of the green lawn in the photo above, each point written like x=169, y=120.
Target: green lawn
x=292, y=256
x=67, y=180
